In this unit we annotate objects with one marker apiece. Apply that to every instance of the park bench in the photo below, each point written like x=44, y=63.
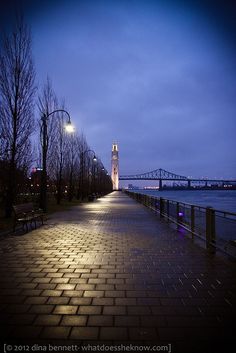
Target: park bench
x=25, y=214
x=91, y=197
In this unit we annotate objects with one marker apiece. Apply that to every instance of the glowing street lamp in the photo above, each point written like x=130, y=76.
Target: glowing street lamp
x=69, y=127
x=44, y=138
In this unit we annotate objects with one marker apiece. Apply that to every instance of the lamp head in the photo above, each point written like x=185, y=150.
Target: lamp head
x=94, y=158
x=69, y=127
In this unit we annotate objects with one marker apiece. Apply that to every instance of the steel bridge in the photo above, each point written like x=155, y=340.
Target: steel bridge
x=162, y=174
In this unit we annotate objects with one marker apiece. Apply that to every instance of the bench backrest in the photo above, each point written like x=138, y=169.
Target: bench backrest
x=23, y=208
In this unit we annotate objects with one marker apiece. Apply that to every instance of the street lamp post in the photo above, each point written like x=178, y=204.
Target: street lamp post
x=44, y=137
x=82, y=169
x=103, y=179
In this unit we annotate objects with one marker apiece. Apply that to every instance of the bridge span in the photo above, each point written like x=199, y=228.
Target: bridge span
x=164, y=175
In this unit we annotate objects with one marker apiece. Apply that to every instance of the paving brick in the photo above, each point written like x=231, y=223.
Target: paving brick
x=89, y=275
x=74, y=320
x=153, y=321
x=51, y=293
x=85, y=287
x=58, y=300
x=106, y=275
x=58, y=280
x=41, y=280
x=127, y=321
x=50, y=270
x=100, y=320
x=46, y=286
x=97, y=281
x=26, y=332
x=104, y=287
x=125, y=287
x=27, y=285
x=62, y=286
x=135, y=293
x=78, y=280
x=90, y=310
x=65, y=309
x=115, y=293
x=114, y=333
x=55, y=332
x=83, y=270
x=103, y=301
x=148, y=301
x=31, y=292
x=141, y=334
x=125, y=301
x=41, y=309
x=114, y=310
x=21, y=319
x=171, y=302
x=80, y=301
x=84, y=333
x=93, y=293
x=72, y=293
x=17, y=308
x=71, y=275
x=139, y=310
x=47, y=320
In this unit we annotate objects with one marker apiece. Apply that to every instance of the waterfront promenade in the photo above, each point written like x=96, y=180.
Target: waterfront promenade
x=111, y=271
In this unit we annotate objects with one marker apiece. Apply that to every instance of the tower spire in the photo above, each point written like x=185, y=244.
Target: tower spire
x=115, y=166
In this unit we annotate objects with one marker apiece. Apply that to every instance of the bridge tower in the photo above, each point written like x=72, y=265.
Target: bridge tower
x=115, y=166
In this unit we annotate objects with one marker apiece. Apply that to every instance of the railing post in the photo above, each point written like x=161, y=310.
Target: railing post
x=177, y=212
x=161, y=207
x=210, y=229
x=157, y=204
x=167, y=209
x=192, y=220
x=149, y=202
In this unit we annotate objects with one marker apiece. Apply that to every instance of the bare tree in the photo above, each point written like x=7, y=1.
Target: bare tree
x=83, y=182
x=16, y=104
x=47, y=103
x=60, y=153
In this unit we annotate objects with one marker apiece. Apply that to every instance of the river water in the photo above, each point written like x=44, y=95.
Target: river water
x=219, y=199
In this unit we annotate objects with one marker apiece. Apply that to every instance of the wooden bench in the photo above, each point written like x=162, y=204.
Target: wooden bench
x=26, y=213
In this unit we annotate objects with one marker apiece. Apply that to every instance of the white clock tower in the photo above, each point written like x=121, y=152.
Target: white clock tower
x=115, y=166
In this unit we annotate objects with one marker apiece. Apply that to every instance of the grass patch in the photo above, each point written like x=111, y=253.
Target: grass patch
x=64, y=205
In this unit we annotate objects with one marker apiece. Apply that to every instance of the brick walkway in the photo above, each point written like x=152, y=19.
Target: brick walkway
x=111, y=271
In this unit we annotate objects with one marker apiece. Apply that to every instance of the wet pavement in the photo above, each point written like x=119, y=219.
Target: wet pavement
x=110, y=271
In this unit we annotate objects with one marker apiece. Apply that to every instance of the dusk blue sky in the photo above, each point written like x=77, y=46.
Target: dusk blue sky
x=158, y=77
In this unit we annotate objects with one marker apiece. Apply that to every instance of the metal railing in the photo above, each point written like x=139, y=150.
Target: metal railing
x=216, y=228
